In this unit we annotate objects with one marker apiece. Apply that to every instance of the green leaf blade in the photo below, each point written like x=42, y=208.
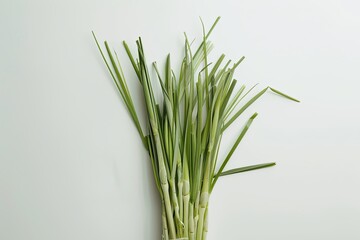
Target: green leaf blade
x=247, y=168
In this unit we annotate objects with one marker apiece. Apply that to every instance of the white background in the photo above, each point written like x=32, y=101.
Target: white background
x=72, y=166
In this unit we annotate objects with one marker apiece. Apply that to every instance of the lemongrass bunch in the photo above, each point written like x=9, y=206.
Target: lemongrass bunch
x=184, y=129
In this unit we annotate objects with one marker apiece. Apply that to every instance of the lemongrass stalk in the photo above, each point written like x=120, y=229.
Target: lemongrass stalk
x=196, y=206
x=186, y=197
x=191, y=222
x=206, y=180
x=206, y=224
x=196, y=214
x=149, y=100
x=196, y=219
x=203, y=205
x=165, y=233
x=180, y=196
x=204, y=197
x=163, y=177
x=179, y=192
x=165, y=189
x=181, y=199
x=174, y=195
x=175, y=204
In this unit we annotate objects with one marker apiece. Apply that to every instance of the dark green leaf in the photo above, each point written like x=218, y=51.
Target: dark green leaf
x=247, y=168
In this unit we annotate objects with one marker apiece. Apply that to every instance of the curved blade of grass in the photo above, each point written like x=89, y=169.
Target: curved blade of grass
x=154, y=165
x=121, y=85
x=243, y=108
x=247, y=168
x=238, y=140
x=207, y=35
x=204, y=50
x=251, y=101
x=135, y=66
x=232, y=103
x=237, y=100
x=283, y=94
x=160, y=80
x=216, y=66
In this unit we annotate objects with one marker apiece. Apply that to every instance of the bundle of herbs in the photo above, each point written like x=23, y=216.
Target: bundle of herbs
x=184, y=129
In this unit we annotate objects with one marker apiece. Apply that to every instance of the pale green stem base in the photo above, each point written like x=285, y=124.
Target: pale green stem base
x=194, y=225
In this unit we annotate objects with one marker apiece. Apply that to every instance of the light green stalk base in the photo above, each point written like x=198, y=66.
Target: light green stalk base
x=195, y=226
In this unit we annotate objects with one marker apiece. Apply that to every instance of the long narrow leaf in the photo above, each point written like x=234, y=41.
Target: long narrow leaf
x=247, y=168
x=252, y=100
x=283, y=94
x=238, y=140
